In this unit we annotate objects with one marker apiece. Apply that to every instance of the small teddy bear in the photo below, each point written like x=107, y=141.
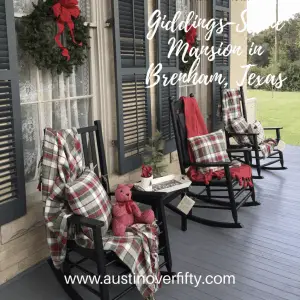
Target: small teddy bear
x=126, y=212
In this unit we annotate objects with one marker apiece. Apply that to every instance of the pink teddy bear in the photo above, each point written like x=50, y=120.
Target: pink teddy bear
x=126, y=212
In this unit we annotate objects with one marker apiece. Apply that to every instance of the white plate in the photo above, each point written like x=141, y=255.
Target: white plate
x=167, y=184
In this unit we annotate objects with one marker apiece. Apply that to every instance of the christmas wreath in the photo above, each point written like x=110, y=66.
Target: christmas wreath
x=55, y=36
x=188, y=36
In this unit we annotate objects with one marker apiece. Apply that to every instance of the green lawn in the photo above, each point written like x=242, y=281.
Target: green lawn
x=281, y=110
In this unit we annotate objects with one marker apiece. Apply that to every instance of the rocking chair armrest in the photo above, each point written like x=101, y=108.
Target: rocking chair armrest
x=80, y=220
x=246, y=133
x=277, y=129
x=273, y=128
x=239, y=150
x=246, y=151
x=214, y=164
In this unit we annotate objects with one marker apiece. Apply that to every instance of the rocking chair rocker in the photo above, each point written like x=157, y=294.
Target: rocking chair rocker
x=240, y=109
x=94, y=155
x=226, y=184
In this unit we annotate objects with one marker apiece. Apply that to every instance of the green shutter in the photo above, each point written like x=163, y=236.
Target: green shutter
x=170, y=66
x=131, y=66
x=12, y=186
x=221, y=65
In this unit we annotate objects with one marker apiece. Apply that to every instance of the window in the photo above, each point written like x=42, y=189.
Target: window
x=51, y=101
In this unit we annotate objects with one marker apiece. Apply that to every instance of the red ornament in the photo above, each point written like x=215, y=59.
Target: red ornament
x=64, y=10
x=146, y=171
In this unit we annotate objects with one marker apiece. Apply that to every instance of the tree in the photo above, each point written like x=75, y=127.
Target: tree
x=288, y=52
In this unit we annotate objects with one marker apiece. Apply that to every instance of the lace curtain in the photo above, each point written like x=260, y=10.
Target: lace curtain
x=183, y=6
x=47, y=100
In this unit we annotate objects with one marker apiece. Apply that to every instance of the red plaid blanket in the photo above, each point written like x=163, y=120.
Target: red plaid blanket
x=138, y=250
x=230, y=108
x=267, y=147
x=61, y=164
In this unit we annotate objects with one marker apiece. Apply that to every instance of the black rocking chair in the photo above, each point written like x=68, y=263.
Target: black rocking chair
x=209, y=195
x=255, y=147
x=94, y=155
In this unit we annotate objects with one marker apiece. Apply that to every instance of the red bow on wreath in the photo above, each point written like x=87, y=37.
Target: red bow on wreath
x=64, y=10
x=190, y=36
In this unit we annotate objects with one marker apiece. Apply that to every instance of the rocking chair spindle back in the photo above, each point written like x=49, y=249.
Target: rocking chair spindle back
x=94, y=152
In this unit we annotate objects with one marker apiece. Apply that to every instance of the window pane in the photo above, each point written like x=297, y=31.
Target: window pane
x=25, y=7
x=54, y=115
x=85, y=8
x=30, y=132
x=80, y=113
x=80, y=81
x=28, y=79
x=36, y=85
x=57, y=114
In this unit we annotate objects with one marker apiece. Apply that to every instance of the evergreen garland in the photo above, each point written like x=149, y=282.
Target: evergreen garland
x=36, y=37
x=185, y=67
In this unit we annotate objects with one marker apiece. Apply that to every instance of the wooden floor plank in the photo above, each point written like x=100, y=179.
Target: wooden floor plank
x=271, y=280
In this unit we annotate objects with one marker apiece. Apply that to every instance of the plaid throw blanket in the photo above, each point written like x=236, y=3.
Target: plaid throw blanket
x=61, y=164
x=267, y=147
x=138, y=250
x=230, y=108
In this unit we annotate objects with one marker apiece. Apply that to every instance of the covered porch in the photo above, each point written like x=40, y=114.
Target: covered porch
x=263, y=256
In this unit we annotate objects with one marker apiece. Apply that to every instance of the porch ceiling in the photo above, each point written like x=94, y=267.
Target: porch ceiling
x=263, y=256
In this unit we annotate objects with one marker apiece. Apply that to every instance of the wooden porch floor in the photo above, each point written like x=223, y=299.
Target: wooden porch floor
x=264, y=256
